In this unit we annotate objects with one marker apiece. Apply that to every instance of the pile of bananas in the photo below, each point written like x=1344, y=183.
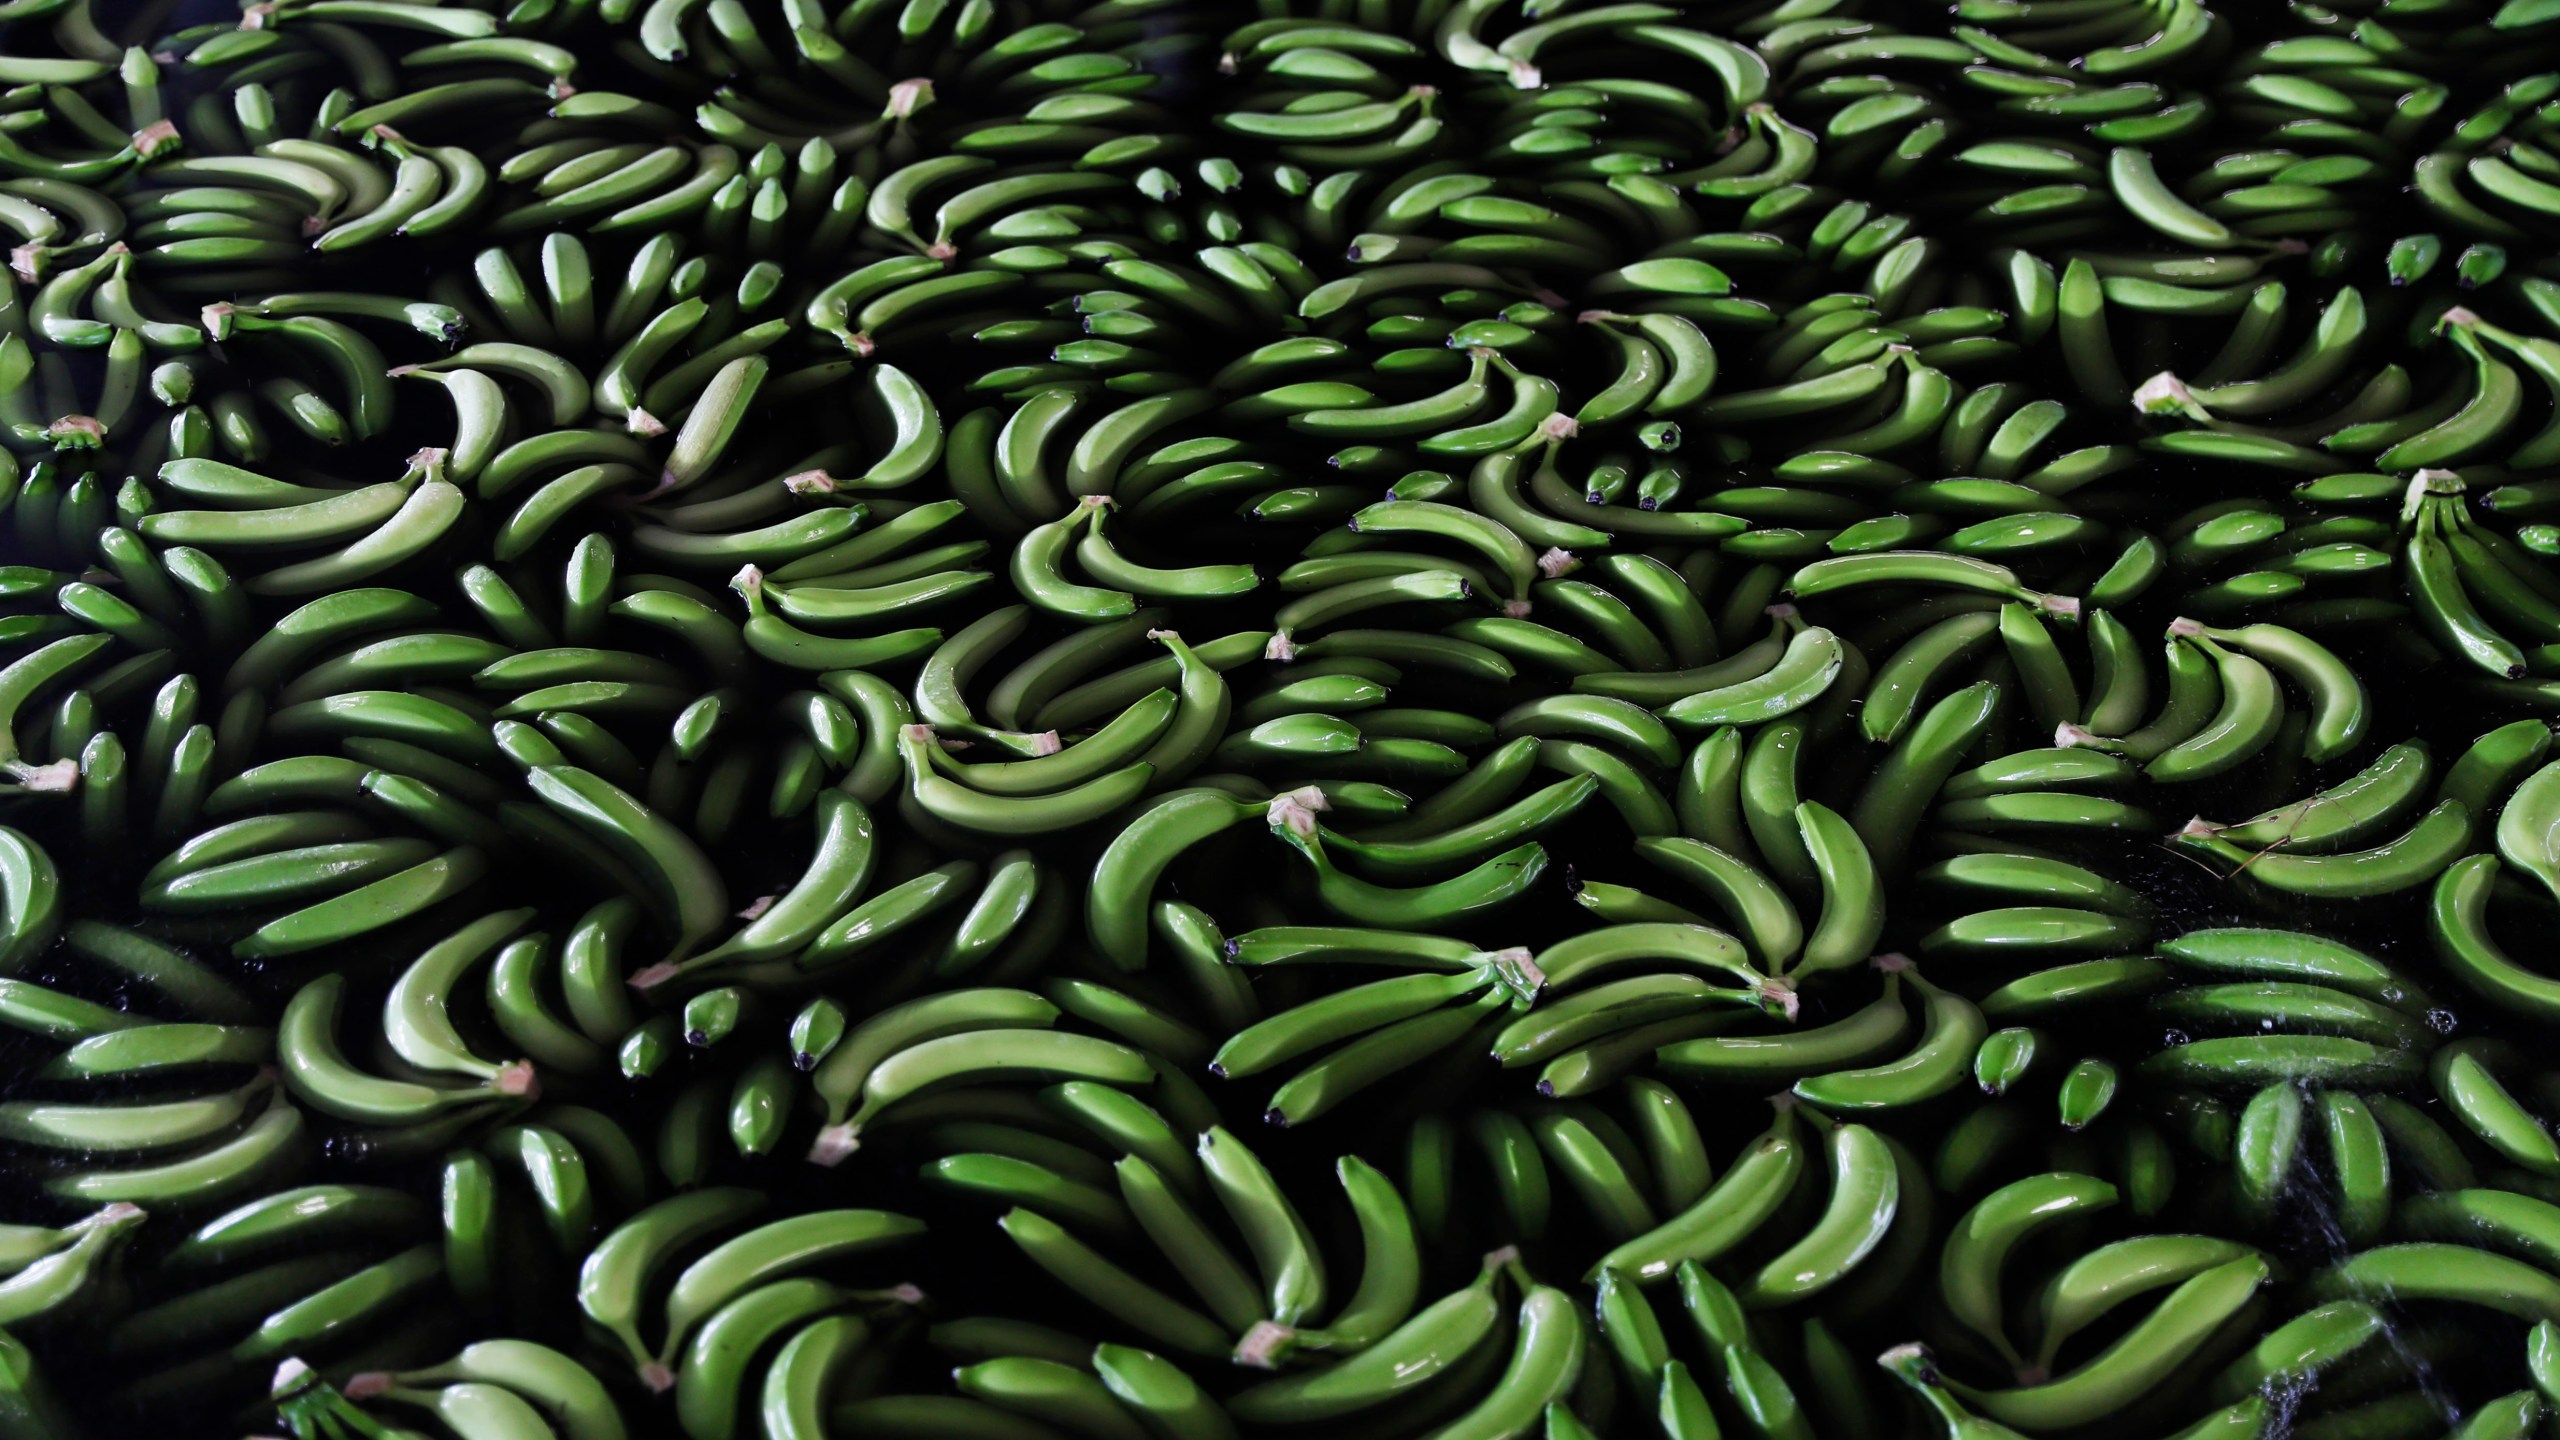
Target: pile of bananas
x=1167, y=720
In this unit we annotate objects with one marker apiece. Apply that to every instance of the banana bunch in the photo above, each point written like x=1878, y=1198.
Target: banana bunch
x=1376, y=1029
x=2295, y=570
x=56, y=224
x=1740, y=1358
x=2211, y=1278
x=347, y=535
x=1647, y=1189
x=2046, y=1114
x=50, y=401
x=1495, y=1368
x=1628, y=1166
x=1916, y=1366
x=133, y=1110
x=61, y=135
x=1253, y=1279
x=858, y=1068
x=83, y=306
x=314, y=875
x=512, y=1388
x=350, y=1274
x=748, y=1288
x=507, y=1387
x=308, y=1406
x=2224, y=703
x=2468, y=586
x=2357, y=1022
x=982, y=1036
x=300, y=192
x=2249, y=380
x=1841, y=1247
x=2459, y=921
x=54, y=1267
x=2439, y=830
x=2014, y=902
x=1006, y=914
x=2489, y=178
